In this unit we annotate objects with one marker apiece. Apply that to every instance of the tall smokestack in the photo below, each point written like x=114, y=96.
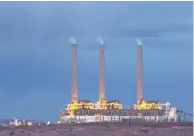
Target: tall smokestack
x=140, y=74
x=101, y=74
x=74, y=90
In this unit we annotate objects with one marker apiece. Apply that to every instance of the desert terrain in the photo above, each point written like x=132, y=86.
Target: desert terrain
x=100, y=129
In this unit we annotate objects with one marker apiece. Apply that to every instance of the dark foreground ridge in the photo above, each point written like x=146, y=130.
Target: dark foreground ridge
x=102, y=129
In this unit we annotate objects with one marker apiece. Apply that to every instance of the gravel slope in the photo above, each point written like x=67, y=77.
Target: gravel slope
x=99, y=130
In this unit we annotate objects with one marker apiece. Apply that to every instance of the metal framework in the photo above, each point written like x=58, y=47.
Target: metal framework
x=122, y=112
x=129, y=115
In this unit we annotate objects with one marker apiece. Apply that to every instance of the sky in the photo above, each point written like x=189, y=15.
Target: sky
x=35, y=54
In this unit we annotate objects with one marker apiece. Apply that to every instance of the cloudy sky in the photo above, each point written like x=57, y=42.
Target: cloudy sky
x=35, y=53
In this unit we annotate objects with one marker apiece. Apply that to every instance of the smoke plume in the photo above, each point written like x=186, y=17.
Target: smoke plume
x=139, y=42
x=72, y=40
x=100, y=40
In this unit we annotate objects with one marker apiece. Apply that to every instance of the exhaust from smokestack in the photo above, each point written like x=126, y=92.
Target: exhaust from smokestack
x=140, y=73
x=139, y=42
x=72, y=40
x=100, y=40
x=74, y=89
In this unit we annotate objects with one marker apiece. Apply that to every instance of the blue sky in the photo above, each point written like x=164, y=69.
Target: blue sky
x=35, y=53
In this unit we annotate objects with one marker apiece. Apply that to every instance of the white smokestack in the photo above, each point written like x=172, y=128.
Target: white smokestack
x=101, y=72
x=140, y=73
x=74, y=88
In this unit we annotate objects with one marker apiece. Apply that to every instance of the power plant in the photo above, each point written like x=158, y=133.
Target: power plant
x=87, y=111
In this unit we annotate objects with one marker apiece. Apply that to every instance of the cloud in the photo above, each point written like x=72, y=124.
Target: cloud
x=153, y=31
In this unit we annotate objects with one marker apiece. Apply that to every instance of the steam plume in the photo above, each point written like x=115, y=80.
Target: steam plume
x=72, y=40
x=100, y=40
x=139, y=42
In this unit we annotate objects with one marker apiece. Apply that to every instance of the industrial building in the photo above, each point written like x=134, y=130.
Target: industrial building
x=112, y=110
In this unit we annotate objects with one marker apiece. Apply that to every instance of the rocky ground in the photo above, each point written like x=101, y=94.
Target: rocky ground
x=99, y=130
